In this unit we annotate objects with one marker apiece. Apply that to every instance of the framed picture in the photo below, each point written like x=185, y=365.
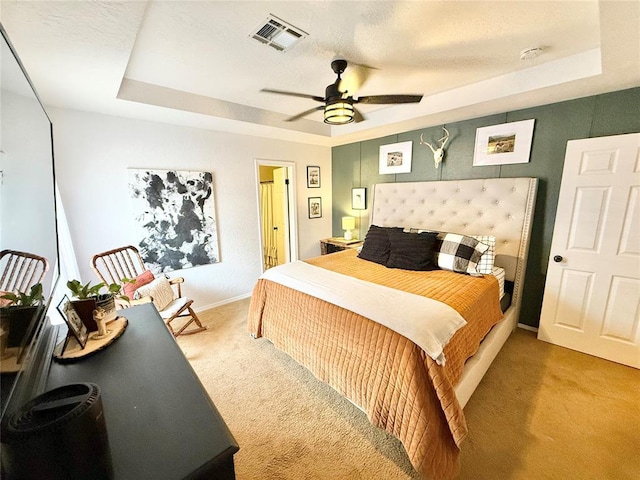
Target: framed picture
x=315, y=207
x=359, y=198
x=313, y=177
x=73, y=321
x=159, y=210
x=503, y=144
x=395, y=158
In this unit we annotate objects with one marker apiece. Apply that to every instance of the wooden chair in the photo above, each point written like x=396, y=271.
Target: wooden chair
x=125, y=262
x=21, y=270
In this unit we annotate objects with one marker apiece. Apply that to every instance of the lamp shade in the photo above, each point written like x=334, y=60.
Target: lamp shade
x=338, y=113
x=348, y=223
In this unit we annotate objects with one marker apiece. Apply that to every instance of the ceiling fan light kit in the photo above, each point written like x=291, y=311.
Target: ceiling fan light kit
x=339, y=113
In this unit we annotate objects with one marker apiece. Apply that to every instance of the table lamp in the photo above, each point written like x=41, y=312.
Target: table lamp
x=348, y=224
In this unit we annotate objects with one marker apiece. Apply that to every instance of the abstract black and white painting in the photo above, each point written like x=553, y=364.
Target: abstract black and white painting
x=175, y=219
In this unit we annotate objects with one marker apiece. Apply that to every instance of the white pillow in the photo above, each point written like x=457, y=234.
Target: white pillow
x=160, y=292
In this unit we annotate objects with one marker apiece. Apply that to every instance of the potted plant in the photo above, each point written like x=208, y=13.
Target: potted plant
x=86, y=298
x=18, y=313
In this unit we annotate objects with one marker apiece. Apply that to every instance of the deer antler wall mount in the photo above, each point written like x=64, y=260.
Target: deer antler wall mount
x=438, y=153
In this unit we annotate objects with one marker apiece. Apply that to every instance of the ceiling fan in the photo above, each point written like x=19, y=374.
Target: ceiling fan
x=338, y=105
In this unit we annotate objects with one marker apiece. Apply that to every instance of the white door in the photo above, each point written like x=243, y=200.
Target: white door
x=592, y=292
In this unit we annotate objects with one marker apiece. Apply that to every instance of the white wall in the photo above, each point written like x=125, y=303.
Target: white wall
x=94, y=151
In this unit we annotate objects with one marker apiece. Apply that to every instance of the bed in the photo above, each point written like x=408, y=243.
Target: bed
x=412, y=384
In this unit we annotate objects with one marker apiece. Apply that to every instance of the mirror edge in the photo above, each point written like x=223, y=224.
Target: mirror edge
x=31, y=378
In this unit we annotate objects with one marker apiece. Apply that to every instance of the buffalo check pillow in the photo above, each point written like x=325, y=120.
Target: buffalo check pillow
x=485, y=264
x=460, y=253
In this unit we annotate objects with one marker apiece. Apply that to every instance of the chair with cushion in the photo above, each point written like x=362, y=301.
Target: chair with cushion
x=21, y=270
x=125, y=262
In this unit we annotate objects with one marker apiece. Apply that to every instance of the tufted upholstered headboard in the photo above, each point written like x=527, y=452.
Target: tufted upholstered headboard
x=502, y=207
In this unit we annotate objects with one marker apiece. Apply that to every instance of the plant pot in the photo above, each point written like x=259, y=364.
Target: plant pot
x=18, y=323
x=107, y=302
x=84, y=308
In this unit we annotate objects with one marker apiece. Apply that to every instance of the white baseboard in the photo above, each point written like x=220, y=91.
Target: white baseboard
x=222, y=302
x=527, y=327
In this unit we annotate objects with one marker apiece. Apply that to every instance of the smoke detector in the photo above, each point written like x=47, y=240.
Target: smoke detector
x=530, y=53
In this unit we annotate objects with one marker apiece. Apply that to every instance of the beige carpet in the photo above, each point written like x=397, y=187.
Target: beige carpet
x=541, y=412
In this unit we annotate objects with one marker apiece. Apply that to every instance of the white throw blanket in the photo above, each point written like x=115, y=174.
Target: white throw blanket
x=427, y=322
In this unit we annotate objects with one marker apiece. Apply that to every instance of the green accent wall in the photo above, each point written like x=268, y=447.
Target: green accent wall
x=616, y=113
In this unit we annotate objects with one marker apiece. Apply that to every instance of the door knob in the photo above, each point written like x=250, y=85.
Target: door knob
x=557, y=258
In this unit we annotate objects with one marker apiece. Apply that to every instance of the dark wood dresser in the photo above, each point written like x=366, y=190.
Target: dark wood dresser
x=161, y=423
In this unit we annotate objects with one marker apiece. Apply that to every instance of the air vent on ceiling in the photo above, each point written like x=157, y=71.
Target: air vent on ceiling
x=278, y=34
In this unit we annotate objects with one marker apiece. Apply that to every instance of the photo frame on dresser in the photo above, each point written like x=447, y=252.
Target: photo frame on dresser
x=77, y=329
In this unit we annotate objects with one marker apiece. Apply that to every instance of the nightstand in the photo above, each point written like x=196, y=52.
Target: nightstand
x=336, y=244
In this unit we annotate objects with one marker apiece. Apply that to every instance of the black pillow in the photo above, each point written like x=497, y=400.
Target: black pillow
x=412, y=251
x=376, y=247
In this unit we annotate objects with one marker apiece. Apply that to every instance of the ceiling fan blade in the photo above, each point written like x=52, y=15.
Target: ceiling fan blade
x=354, y=78
x=357, y=117
x=294, y=94
x=304, y=114
x=388, y=99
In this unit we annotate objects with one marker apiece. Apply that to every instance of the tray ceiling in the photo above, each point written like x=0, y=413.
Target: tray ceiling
x=197, y=63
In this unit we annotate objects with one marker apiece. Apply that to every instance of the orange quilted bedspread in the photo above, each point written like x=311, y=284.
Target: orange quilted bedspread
x=401, y=389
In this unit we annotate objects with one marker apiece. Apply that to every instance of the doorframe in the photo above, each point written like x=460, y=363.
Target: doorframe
x=292, y=221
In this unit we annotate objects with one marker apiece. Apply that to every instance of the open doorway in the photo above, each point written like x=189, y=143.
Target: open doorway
x=276, y=207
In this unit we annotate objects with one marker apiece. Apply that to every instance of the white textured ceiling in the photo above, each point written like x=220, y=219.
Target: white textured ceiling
x=195, y=63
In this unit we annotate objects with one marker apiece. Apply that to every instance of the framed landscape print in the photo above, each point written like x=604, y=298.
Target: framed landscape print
x=395, y=158
x=315, y=207
x=503, y=144
x=313, y=177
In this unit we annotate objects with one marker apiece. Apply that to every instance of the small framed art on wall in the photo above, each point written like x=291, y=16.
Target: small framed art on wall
x=315, y=207
x=359, y=198
x=313, y=177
